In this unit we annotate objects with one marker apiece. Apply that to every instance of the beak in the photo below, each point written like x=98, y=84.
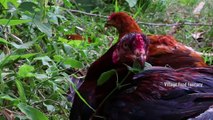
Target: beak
x=140, y=56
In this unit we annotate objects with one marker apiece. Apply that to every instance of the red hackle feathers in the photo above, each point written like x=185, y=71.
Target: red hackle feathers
x=164, y=50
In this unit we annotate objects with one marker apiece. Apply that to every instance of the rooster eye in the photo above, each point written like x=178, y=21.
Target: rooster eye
x=125, y=46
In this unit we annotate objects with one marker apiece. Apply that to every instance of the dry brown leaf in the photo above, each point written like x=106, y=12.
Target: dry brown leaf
x=110, y=38
x=198, y=9
x=8, y=114
x=198, y=36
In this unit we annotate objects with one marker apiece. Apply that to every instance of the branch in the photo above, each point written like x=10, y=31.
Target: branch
x=176, y=24
x=85, y=13
x=145, y=23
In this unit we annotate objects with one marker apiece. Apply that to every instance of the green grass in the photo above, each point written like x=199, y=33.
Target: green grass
x=37, y=61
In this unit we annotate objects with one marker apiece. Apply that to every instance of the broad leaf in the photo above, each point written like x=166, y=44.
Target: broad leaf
x=41, y=76
x=7, y=97
x=43, y=27
x=50, y=108
x=3, y=41
x=21, y=91
x=23, y=46
x=58, y=58
x=5, y=3
x=45, y=60
x=105, y=76
x=29, y=55
x=8, y=59
x=26, y=71
x=32, y=113
x=73, y=63
x=131, y=3
x=28, y=6
x=147, y=65
x=133, y=69
x=12, y=22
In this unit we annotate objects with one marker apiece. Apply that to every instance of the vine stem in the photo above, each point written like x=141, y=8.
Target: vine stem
x=145, y=23
x=119, y=85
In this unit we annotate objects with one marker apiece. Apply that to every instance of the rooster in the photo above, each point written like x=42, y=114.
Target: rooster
x=94, y=94
x=164, y=50
x=157, y=93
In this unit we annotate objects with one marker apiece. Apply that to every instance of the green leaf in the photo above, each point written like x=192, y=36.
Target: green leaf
x=50, y=108
x=63, y=40
x=137, y=68
x=45, y=60
x=73, y=63
x=28, y=6
x=67, y=3
x=147, y=65
x=134, y=69
x=131, y=3
x=28, y=55
x=7, y=97
x=8, y=59
x=58, y=58
x=21, y=91
x=68, y=48
x=116, y=6
x=13, y=57
x=12, y=22
x=43, y=27
x=26, y=71
x=79, y=95
x=23, y=46
x=76, y=42
x=32, y=113
x=4, y=41
x=41, y=76
x=105, y=76
x=5, y=3
x=89, y=5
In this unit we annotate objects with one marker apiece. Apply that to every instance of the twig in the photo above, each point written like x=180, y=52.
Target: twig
x=85, y=13
x=16, y=38
x=145, y=23
x=176, y=24
x=174, y=29
x=118, y=86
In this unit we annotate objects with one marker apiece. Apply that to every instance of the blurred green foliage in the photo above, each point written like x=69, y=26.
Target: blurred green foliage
x=36, y=59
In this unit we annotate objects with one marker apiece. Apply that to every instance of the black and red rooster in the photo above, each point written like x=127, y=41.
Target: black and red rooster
x=157, y=93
